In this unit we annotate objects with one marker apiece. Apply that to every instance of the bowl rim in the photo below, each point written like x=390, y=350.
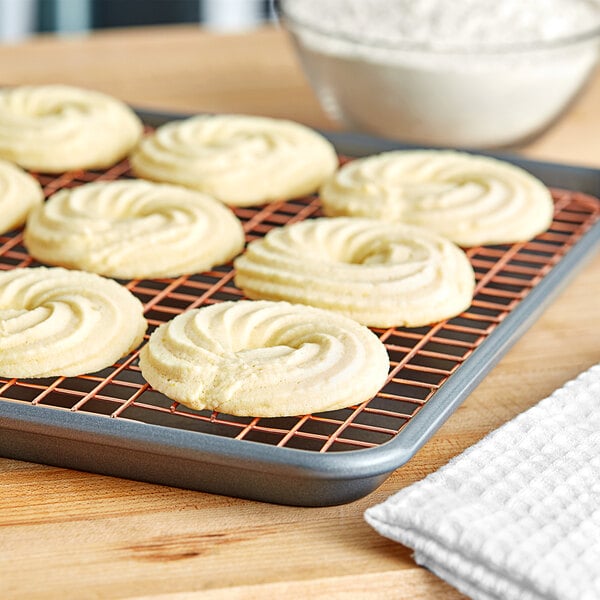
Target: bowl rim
x=294, y=24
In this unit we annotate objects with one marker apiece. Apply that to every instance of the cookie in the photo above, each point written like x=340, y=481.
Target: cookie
x=264, y=359
x=58, y=322
x=19, y=194
x=380, y=274
x=472, y=200
x=56, y=128
x=133, y=229
x=240, y=160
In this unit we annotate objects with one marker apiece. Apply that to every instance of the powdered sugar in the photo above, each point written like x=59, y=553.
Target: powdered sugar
x=447, y=22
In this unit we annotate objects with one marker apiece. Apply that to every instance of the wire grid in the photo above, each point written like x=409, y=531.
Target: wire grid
x=422, y=359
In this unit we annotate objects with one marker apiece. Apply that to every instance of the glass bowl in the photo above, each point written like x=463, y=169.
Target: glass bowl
x=477, y=96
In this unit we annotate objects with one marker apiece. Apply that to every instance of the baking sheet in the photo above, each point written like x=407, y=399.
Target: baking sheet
x=113, y=423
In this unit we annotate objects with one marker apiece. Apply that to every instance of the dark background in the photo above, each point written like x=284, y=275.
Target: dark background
x=126, y=13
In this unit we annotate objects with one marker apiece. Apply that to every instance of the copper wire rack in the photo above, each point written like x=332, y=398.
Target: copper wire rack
x=423, y=360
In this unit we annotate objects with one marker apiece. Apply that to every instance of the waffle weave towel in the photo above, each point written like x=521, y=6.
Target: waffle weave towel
x=517, y=515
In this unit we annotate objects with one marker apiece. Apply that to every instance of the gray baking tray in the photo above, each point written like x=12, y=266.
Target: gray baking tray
x=113, y=423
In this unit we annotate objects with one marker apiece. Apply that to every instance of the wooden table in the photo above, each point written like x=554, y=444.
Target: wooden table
x=67, y=534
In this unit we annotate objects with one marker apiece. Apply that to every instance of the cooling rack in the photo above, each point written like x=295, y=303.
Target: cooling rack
x=112, y=422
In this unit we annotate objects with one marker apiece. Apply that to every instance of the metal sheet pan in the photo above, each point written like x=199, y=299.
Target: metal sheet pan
x=113, y=423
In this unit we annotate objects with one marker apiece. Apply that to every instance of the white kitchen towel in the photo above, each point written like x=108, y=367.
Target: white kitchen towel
x=517, y=515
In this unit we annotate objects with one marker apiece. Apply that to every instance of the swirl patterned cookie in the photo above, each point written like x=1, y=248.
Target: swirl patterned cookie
x=57, y=322
x=19, y=194
x=133, y=229
x=56, y=128
x=264, y=359
x=240, y=160
x=472, y=200
x=380, y=274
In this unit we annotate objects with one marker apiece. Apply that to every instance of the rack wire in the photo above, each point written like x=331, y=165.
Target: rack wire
x=422, y=359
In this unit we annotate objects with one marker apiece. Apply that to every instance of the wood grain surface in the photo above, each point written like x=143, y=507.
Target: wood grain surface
x=66, y=534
